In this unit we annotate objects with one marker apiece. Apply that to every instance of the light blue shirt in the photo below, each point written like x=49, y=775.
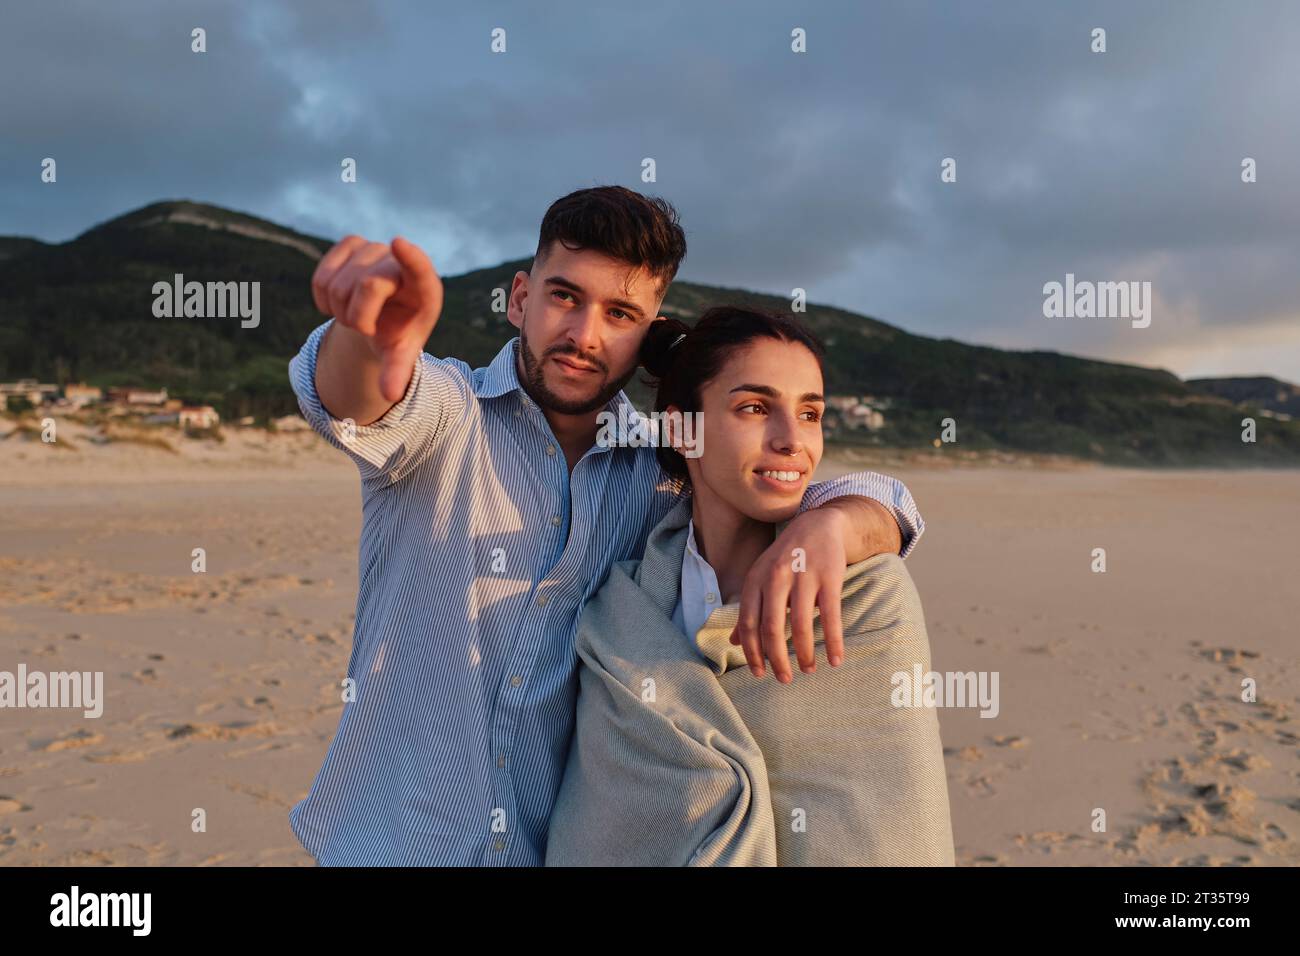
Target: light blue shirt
x=478, y=548
x=700, y=595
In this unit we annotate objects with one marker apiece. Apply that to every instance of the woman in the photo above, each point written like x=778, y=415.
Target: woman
x=681, y=756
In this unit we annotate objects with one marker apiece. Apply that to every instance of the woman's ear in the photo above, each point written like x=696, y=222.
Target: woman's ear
x=669, y=425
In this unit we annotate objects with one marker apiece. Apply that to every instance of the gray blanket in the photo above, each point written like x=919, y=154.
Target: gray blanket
x=681, y=756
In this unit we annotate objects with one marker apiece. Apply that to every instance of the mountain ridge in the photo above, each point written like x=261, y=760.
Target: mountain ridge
x=81, y=310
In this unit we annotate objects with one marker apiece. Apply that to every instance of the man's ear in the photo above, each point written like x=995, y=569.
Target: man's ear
x=517, y=300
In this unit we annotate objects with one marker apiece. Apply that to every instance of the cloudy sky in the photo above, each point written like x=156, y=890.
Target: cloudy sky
x=818, y=170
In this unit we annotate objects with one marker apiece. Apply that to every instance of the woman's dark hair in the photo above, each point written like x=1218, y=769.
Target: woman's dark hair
x=679, y=372
x=622, y=224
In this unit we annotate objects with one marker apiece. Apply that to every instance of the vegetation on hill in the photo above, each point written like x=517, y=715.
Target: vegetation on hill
x=83, y=311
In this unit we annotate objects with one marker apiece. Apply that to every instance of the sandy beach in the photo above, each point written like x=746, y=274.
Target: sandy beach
x=1119, y=691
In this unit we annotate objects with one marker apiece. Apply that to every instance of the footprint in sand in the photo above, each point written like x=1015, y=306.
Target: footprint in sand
x=1234, y=657
x=979, y=785
x=1048, y=841
x=231, y=730
x=1206, y=859
x=1051, y=648
x=1197, y=797
x=1242, y=760
x=80, y=738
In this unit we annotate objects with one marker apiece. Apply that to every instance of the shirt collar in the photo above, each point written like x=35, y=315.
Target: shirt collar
x=690, y=540
x=501, y=376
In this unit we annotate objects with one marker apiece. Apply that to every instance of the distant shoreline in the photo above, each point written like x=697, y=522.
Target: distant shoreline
x=123, y=451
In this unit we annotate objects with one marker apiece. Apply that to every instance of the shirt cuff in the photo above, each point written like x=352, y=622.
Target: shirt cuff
x=374, y=444
x=889, y=492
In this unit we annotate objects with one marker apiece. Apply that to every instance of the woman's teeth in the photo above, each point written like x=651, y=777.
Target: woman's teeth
x=781, y=475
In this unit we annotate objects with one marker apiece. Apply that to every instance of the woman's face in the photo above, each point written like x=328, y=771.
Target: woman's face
x=761, y=414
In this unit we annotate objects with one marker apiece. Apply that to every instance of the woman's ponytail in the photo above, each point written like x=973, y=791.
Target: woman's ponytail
x=662, y=345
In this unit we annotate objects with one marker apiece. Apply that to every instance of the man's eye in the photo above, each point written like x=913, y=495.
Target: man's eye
x=561, y=292
x=620, y=313
x=750, y=405
x=816, y=416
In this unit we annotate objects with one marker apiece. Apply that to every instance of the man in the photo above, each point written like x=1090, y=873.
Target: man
x=490, y=515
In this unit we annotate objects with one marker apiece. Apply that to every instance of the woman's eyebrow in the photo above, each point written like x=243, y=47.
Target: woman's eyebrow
x=771, y=392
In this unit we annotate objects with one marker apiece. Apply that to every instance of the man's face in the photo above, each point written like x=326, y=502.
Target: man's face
x=580, y=308
x=761, y=413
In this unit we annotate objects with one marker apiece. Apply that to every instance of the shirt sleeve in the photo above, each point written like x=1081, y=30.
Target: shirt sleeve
x=890, y=492
x=390, y=448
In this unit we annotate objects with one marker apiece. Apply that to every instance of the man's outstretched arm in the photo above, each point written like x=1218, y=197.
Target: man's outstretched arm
x=362, y=380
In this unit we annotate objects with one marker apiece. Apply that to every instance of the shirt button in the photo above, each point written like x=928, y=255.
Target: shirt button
x=541, y=600
x=550, y=450
x=501, y=760
x=516, y=681
x=499, y=845
x=555, y=520
x=709, y=597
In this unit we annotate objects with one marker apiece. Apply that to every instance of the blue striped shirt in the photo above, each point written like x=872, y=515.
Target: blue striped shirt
x=478, y=550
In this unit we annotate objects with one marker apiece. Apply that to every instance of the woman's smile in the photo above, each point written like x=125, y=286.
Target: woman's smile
x=783, y=480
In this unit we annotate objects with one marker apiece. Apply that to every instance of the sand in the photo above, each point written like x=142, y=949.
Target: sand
x=1119, y=691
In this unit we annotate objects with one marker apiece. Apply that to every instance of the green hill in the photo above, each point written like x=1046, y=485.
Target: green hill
x=83, y=310
x=1260, y=392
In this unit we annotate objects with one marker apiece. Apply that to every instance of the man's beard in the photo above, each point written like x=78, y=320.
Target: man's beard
x=535, y=382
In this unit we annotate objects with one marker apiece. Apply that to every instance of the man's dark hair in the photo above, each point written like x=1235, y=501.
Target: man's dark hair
x=622, y=224
x=679, y=372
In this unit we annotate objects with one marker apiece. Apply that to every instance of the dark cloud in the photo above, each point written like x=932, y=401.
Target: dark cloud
x=818, y=170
